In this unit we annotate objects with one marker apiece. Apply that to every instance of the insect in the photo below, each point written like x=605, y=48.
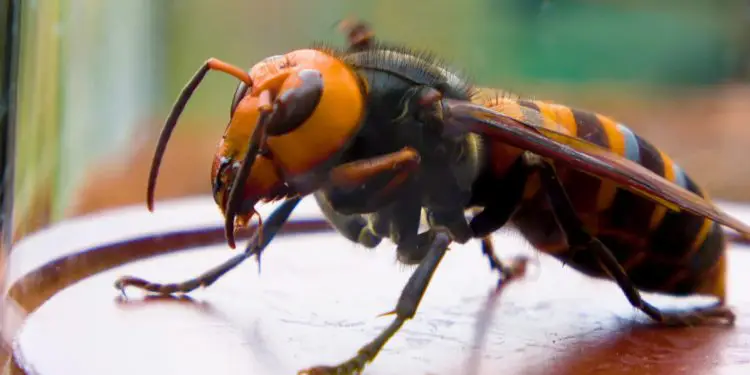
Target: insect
x=380, y=135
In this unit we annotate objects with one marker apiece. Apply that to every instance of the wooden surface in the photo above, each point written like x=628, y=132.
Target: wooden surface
x=316, y=301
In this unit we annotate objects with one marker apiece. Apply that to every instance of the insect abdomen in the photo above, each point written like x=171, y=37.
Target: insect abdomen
x=675, y=253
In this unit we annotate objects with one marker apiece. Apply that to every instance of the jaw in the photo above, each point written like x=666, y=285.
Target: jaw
x=243, y=215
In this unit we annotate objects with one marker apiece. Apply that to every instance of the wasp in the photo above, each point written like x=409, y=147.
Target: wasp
x=382, y=135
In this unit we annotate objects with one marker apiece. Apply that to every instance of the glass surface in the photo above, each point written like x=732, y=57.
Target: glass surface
x=9, y=45
x=95, y=80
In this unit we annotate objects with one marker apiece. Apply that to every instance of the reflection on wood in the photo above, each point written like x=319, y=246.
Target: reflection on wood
x=304, y=309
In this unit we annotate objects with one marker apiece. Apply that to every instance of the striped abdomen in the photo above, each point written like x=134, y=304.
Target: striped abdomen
x=662, y=251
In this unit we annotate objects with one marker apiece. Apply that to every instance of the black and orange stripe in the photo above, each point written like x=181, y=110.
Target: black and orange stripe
x=662, y=251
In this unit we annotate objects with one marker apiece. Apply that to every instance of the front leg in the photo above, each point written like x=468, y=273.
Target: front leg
x=368, y=185
x=353, y=226
x=579, y=237
x=364, y=186
x=406, y=307
x=257, y=244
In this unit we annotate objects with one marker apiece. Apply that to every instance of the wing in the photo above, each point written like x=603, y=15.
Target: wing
x=584, y=156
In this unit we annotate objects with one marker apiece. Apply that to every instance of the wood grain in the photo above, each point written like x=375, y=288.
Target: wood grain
x=316, y=301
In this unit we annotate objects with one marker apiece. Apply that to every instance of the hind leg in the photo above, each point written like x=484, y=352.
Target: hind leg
x=578, y=237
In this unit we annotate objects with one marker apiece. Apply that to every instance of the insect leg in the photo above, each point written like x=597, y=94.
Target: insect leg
x=360, y=186
x=503, y=195
x=366, y=185
x=271, y=226
x=578, y=237
x=405, y=309
x=353, y=227
x=508, y=271
x=395, y=166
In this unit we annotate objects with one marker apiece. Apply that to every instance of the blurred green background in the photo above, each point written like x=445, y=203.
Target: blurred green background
x=98, y=77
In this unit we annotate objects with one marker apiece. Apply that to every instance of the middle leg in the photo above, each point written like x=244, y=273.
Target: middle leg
x=406, y=308
x=508, y=270
x=503, y=196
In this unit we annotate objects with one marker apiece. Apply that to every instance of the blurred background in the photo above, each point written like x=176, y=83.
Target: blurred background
x=96, y=79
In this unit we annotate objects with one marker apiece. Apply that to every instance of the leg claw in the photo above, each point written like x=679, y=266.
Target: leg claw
x=516, y=269
x=716, y=315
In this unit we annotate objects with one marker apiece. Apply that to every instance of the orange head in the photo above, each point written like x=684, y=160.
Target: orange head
x=290, y=117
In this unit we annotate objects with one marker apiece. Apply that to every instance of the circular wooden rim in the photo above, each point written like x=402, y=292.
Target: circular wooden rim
x=35, y=287
x=31, y=290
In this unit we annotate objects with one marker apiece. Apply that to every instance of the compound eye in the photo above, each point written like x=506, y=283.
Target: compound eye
x=239, y=93
x=294, y=106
